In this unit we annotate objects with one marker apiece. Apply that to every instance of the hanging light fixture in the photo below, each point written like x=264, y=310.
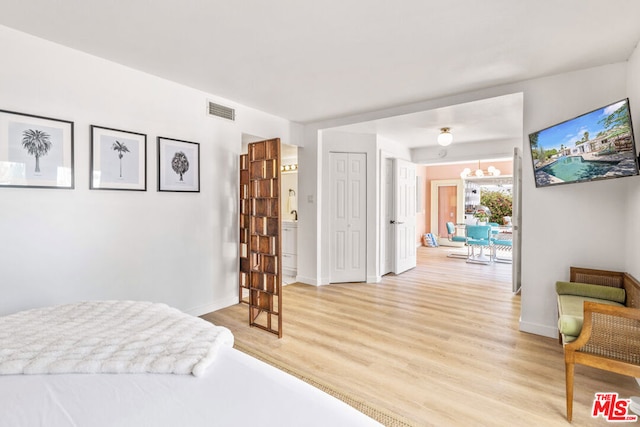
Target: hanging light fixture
x=445, y=138
x=479, y=173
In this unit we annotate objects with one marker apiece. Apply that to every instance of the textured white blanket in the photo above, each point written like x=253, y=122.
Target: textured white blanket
x=108, y=337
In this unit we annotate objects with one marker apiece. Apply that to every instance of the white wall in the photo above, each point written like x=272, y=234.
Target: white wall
x=632, y=225
x=393, y=149
x=562, y=226
x=309, y=178
x=67, y=245
x=570, y=225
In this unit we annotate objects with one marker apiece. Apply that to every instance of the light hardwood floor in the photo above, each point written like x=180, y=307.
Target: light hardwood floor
x=438, y=345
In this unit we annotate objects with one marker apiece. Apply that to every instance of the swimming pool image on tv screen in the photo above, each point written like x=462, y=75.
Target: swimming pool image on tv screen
x=575, y=168
x=596, y=145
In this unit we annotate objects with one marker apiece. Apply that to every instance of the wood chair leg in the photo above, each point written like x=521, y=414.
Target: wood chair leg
x=569, y=369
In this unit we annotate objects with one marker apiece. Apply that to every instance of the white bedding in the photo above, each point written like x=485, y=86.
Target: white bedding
x=236, y=390
x=108, y=337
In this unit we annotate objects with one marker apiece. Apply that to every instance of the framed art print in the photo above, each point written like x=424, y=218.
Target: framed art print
x=118, y=160
x=35, y=151
x=178, y=165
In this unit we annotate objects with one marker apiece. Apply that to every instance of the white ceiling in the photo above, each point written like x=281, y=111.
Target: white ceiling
x=492, y=119
x=309, y=61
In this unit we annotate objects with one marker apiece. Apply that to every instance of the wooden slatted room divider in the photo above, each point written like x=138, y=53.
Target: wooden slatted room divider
x=260, y=278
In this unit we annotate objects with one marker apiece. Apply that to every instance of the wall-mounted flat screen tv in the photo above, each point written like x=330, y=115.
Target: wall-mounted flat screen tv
x=594, y=146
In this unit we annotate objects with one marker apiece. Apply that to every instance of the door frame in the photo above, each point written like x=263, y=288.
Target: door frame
x=433, y=206
x=387, y=240
x=516, y=220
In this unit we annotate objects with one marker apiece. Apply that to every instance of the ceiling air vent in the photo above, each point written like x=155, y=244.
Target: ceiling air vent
x=221, y=111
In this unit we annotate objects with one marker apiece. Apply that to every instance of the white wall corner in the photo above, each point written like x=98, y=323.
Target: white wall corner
x=308, y=280
x=535, y=328
x=217, y=305
x=374, y=279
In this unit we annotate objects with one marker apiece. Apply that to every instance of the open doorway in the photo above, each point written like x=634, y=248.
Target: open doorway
x=288, y=206
x=482, y=128
x=289, y=209
x=454, y=199
x=468, y=194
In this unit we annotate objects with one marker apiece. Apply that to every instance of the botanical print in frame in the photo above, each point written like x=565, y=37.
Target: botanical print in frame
x=118, y=160
x=178, y=165
x=35, y=151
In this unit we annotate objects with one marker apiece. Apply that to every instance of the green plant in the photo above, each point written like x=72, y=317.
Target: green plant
x=500, y=204
x=481, y=216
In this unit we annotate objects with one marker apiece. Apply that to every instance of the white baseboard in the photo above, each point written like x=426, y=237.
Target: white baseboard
x=215, y=306
x=544, y=330
x=446, y=242
x=307, y=280
x=315, y=282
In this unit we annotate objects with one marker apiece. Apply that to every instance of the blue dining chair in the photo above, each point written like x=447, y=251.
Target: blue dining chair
x=451, y=234
x=494, y=227
x=479, y=236
x=503, y=245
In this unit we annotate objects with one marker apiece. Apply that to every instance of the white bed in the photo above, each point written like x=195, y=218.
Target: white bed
x=233, y=390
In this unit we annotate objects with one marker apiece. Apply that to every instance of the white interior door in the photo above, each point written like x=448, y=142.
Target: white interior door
x=516, y=220
x=404, y=220
x=348, y=217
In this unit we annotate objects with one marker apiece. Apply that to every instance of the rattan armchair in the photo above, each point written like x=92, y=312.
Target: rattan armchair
x=610, y=335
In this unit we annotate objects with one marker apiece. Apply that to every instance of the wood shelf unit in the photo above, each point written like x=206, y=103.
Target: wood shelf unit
x=260, y=278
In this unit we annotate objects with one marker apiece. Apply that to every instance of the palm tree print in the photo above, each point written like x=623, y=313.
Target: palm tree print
x=180, y=164
x=37, y=143
x=121, y=148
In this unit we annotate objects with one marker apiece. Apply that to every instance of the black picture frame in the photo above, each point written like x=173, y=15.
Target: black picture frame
x=36, y=151
x=178, y=165
x=118, y=160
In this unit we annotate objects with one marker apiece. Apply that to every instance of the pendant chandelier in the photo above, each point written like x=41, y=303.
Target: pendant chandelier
x=479, y=173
